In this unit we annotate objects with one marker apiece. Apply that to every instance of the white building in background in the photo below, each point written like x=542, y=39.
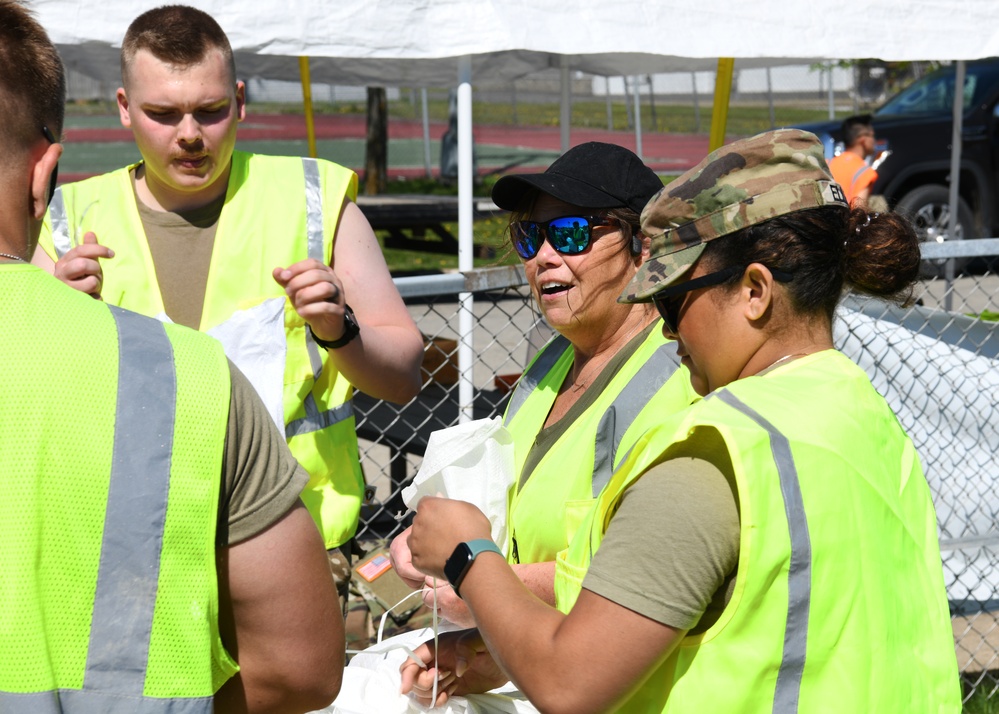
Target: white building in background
x=788, y=80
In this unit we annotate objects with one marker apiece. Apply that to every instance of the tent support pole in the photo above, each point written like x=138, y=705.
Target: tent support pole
x=565, y=116
x=310, y=121
x=697, y=102
x=466, y=315
x=723, y=90
x=610, y=112
x=955, y=175
x=832, y=94
x=426, y=132
x=770, y=100
x=636, y=96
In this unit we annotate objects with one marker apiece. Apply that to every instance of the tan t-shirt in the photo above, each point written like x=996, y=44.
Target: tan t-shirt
x=671, y=550
x=181, y=246
x=261, y=479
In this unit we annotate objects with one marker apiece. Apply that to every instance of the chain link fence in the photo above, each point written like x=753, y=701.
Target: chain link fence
x=935, y=362
x=677, y=102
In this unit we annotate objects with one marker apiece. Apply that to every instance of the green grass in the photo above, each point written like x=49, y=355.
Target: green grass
x=743, y=118
x=984, y=700
x=489, y=235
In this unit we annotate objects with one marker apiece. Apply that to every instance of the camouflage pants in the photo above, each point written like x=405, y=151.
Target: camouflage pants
x=340, y=567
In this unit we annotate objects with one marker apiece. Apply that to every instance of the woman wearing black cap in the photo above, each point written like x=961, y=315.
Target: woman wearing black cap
x=832, y=597
x=605, y=378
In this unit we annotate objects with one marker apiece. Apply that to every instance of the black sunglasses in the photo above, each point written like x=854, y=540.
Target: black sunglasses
x=569, y=235
x=669, y=300
x=55, y=172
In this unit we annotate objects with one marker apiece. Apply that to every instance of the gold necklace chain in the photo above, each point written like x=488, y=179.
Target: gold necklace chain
x=783, y=359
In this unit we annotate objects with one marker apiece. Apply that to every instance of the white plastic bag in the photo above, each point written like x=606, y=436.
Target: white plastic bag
x=371, y=685
x=254, y=340
x=470, y=462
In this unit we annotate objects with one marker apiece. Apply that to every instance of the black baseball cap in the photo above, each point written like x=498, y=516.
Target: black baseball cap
x=591, y=175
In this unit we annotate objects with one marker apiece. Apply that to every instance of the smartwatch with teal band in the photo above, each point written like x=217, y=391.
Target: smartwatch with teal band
x=457, y=566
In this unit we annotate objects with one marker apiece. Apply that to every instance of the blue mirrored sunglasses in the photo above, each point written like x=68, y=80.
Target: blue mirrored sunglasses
x=569, y=235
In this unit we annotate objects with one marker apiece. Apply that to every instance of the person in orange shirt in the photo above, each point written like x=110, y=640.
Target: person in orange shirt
x=850, y=168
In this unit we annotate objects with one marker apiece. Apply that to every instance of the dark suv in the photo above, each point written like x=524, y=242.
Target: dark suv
x=916, y=126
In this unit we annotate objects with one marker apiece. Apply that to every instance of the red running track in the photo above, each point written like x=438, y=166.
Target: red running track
x=663, y=152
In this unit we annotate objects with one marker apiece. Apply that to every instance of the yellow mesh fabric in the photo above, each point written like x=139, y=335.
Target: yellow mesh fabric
x=239, y=279
x=189, y=621
x=56, y=416
x=59, y=365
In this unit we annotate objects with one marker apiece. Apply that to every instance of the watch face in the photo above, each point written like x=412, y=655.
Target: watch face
x=350, y=325
x=457, y=565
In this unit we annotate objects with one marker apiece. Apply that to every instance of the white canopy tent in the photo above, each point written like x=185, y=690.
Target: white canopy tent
x=408, y=39
x=438, y=42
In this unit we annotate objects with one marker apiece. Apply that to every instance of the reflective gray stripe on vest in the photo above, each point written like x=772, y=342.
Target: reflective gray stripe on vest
x=799, y=577
x=136, y=508
x=313, y=208
x=530, y=380
x=856, y=176
x=60, y=224
x=620, y=415
x=314, y=420
x=87, y=702
x=135, y=516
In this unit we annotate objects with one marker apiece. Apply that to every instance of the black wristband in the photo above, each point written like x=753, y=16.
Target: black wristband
x=350, y=330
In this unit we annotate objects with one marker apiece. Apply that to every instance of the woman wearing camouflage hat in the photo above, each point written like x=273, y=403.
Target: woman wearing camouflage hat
x=828, y=590
x=608, y=374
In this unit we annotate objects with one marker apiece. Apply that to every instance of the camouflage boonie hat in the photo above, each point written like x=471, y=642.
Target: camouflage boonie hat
x=741, y=184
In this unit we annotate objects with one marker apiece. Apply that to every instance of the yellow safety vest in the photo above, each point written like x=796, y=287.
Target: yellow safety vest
x=278, y=210
x=545, y=512
x=839, y=602
x=112, y=431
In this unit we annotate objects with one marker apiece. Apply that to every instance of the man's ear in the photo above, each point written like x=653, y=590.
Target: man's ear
x=123, y=115
x=41, y=173
x=758, y=290
x=240, y=100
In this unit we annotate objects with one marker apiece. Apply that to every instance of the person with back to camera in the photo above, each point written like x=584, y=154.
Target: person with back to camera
x=824, y=588
x=609, y=373
x=206, y=234
x=850, y=169
x=154, y=553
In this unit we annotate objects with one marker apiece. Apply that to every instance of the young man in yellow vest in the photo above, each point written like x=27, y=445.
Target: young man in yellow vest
x=154, y=553
x=269, y=254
